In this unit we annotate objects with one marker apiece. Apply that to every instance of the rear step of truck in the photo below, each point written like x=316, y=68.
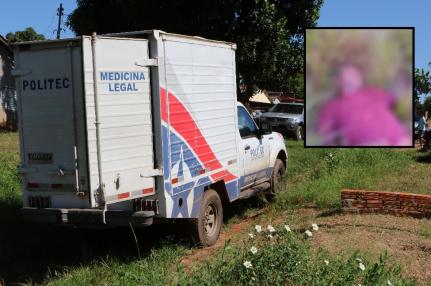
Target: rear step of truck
x=84, y=217
x=248, y=193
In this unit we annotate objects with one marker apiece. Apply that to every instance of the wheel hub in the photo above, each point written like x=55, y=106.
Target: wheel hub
x=210, y=219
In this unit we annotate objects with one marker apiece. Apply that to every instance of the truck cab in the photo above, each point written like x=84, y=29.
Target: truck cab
x=138, y=128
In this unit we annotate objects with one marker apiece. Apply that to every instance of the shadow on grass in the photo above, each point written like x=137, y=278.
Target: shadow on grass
x=330, y=212
x=424, y=158
x=28, y=252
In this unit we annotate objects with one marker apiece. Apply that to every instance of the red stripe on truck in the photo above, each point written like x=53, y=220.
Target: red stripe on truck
x=147, y=191
x=183, y=123
x=123, y=196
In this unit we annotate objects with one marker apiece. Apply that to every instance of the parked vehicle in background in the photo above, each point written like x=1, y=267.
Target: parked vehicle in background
x=287, y=118
x=129, y=128
x=256, y=113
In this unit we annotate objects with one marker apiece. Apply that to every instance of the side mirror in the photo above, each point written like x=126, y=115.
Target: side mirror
x=264, y=128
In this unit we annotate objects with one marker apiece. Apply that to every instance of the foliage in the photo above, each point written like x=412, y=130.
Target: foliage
x=285, y=258
x=268, y=33
x=316, y=175
x=29, y=34
x=9, y=179
x=422, y=87
x=422, y=82
x=156, y=269
x=421, y=107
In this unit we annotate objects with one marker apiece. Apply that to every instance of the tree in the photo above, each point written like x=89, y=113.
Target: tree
x=29, y=34
x=268, y=33
x=422, y=87
x=422, y=82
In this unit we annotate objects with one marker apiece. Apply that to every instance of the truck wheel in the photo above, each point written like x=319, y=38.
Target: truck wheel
x=206, y=229
x=278, y=179
x=299, y=133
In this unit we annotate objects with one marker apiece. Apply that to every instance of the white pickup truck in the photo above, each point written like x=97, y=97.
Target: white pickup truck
x=135, y=127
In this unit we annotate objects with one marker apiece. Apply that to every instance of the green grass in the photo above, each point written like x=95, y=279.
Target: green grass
x=9, y=179
x=285, y=259
x=160, y=267
x=316, y=176
x=52, y=256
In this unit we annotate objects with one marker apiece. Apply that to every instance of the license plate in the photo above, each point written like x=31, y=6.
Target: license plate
x=40, y=158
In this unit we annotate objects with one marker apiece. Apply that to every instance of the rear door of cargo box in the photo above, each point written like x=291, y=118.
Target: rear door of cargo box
x=50, y=106
x=124, y=103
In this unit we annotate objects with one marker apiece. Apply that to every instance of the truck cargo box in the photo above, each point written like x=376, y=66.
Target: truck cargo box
x=138, y=122
x=125, y=129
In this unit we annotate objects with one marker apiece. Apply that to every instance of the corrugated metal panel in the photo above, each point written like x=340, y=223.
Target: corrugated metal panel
x=200, y=78
x=124, y=114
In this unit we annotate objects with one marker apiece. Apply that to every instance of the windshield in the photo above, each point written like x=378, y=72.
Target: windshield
x=287, y=108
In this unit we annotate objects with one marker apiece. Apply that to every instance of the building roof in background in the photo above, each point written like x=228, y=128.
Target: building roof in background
x=260, y=97
x=271, y=97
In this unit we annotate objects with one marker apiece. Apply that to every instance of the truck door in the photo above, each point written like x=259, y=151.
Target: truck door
x=125, y=121
x=254, y=151
x=49, y=99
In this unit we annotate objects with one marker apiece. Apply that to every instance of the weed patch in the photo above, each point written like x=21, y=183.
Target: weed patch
x=282, y=257
x=317, y=175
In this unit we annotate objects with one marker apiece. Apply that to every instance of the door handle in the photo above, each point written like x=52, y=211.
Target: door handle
x=247, y=147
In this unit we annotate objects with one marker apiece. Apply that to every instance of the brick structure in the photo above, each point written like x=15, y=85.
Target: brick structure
x=402, y=204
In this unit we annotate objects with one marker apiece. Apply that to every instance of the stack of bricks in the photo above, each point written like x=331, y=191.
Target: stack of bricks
x=402, y=204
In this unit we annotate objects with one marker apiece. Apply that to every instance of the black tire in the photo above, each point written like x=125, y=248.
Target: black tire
x=278, y=179
x=299, y=133
x=206, y=228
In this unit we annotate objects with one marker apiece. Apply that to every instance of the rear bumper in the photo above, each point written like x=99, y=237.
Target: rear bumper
x=87, y=217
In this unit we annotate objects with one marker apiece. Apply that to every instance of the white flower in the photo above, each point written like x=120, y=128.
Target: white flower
x=308, y=233
x=287, y=228
x=247, y=264
x=361, y=266
x=270, y=228
x=253, y=250
x=314, y=227
x=389, y=283
x=326, y=262
x=270, y=236
x=258, y=228
x=250, y=235
x=358, y=259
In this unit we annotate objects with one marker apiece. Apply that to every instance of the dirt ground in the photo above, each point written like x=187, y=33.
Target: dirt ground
x=233, y=232
x=407, y=240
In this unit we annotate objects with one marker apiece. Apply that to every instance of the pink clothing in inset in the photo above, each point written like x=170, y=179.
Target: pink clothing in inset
x=361, y=118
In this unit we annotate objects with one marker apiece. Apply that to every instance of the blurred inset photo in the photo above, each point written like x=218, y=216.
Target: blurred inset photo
x=359, y=87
